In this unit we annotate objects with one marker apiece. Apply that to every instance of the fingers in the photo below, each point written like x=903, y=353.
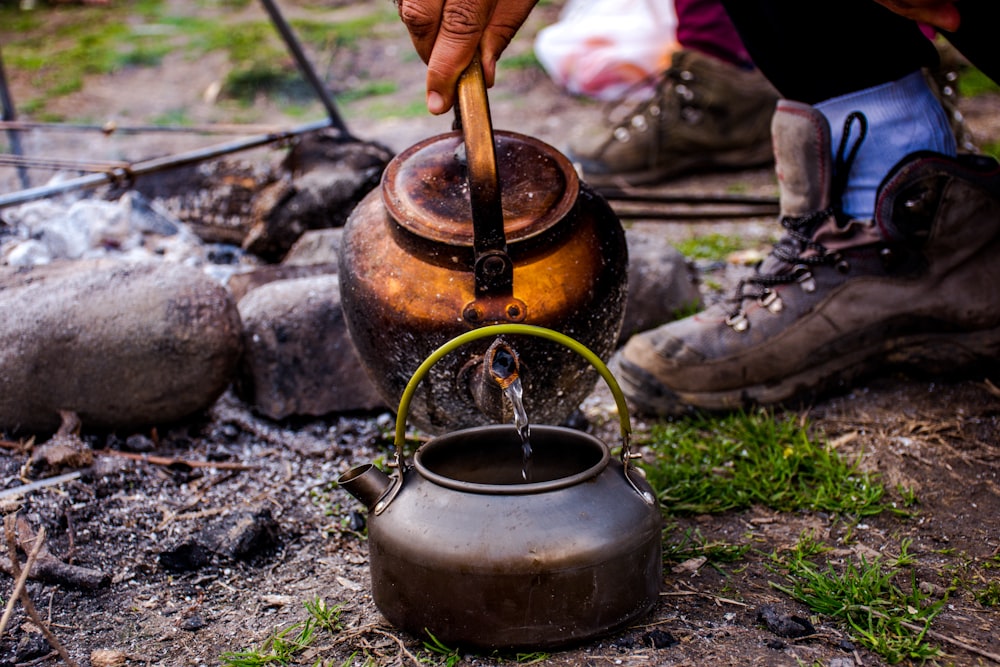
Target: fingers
x=447, y=34
x=507, y=19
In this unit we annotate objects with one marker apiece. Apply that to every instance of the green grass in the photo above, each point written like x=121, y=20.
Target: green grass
x=707, y=464
x=972, y=82
x=59, y=46
x=877, y=599
x=709, y=247
x=283, y=646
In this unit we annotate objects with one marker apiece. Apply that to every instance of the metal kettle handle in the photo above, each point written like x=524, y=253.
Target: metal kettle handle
x=513, y=329
x=494, y=271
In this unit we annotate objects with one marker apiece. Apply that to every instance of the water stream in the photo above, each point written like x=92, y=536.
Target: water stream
x=504, y=369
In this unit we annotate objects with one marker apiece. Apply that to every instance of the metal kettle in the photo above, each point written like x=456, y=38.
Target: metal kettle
x=473, y=228
x=463, y=549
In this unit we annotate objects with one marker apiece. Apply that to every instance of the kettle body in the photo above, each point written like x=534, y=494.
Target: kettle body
x=410, y=282
x=489, y=543
x=474, y=556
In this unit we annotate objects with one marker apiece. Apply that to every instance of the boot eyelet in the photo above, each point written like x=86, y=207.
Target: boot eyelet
x=770, y=300
x=804, y=277
x=622, y=134
x=841, y=264
x=738, y=321
x=653, y=110
x=639, y=123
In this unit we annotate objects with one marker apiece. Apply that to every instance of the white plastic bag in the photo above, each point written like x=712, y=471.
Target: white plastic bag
x=602, y=48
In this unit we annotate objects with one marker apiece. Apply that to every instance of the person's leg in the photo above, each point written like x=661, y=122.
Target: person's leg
x=704, y=26
x=813, y=51
x=711, y=109
x=891, y=240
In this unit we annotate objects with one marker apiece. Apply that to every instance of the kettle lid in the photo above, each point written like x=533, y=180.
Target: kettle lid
x=426, y=187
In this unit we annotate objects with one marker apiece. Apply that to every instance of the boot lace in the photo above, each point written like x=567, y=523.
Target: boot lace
x=797, y=249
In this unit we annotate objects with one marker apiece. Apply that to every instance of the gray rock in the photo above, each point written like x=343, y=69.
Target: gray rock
x=328, y=177
x=318, y=246
x=121, y=344
x=661, y=283
x=299, y=357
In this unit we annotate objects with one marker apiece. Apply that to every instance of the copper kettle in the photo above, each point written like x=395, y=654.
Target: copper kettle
x=463, y=549
x=472, y=228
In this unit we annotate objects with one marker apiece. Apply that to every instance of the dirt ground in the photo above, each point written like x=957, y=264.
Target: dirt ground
x=260, y=494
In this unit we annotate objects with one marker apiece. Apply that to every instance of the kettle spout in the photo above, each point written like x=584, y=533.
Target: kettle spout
x=498, y=369
x=366, y=483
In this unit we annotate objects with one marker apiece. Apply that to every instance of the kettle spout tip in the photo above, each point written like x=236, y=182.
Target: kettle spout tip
x=366, y=483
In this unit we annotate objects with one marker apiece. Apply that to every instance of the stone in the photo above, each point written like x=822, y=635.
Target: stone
x=316, y=247
x=327, y=177
x=121, y=344
x=299, y=357
x=662, y=285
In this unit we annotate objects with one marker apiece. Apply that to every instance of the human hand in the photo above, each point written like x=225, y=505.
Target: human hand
x=941, y=14
x=447, y=33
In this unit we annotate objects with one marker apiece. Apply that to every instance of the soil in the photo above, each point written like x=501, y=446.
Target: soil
x=213, y=533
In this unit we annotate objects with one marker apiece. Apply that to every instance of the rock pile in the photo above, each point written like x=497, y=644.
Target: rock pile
x=130, y=320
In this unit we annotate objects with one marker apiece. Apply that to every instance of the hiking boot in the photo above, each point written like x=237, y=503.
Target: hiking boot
x=704, y=113
x=836, y=298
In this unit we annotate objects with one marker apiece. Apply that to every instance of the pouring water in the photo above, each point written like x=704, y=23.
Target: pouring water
x=504, y=369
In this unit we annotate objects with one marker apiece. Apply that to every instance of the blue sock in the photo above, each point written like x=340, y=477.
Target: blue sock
x=903, y=116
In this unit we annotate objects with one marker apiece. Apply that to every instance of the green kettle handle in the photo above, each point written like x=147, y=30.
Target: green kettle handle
x=498, y=330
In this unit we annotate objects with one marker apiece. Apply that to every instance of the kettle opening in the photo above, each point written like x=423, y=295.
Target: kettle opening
x=490, y=459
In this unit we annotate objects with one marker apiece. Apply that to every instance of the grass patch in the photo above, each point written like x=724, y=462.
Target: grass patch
x=972, y=82
x=704, y=464
x=282, y=647
x=879, y=602
x=709, y=247
x=59, y=46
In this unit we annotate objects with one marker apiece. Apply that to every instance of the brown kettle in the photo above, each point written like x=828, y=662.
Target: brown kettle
x=464, y=549
x=472, y=228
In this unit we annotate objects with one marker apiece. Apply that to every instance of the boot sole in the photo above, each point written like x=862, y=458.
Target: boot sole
x=944, y=354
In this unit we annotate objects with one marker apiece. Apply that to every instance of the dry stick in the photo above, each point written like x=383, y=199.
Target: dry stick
x=168, y=461
x=29, y=607
x=937, y=635
x=951, y=640
x=22, y=580
x=402, y=646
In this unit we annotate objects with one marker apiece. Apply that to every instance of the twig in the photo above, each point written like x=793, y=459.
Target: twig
x=29, y=606
x=22, y=580
x=402, y=646
x=954, y=642
x=169, y=461
x=40, y=484
x=704, y=595
x=936, y=635
x=992, y=388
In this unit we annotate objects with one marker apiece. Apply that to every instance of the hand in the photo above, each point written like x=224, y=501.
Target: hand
x=446, y=34
x=941, y=14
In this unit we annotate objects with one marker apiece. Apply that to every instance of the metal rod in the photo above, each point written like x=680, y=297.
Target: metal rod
x=653, y=197
x=306, y=67
x=158, y=164
x=58, y=164
x=7, y=113
x=113, y=128
x=668, y=213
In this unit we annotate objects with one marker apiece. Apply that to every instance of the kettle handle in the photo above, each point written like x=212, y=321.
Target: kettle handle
x=497, y=330
x=494, y=270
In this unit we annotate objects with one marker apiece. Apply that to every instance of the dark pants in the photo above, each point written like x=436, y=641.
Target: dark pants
x=703, y=25
x=814, y=50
